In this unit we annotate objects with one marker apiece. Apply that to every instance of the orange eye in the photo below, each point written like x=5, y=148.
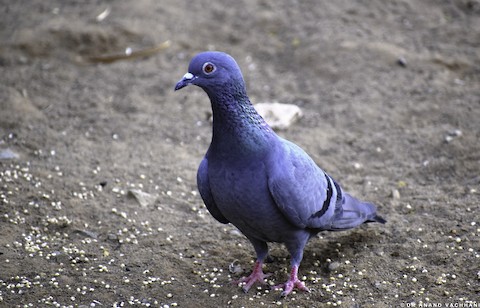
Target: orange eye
x=208, y=68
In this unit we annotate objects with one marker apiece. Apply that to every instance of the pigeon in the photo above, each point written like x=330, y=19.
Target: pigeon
x=267, y=187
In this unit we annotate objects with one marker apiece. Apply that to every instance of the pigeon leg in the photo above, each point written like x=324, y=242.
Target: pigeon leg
x=292, y=282
x=296, y=251
x=257, y=275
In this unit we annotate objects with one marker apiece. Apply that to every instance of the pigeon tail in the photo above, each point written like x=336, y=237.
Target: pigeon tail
x=354, y=213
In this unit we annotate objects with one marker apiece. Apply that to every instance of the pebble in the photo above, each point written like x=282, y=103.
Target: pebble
x=333, y=266
x=143, y=198
x=357, y=166
x=236, y=232
x=86, y=233
x=395, y=194
x=279, y=116
x=452, y=135
x=7, y=154
x=235, y=267
x=402, y=61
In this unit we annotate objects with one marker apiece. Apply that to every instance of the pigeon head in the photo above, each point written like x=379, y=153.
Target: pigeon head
x=215, y=72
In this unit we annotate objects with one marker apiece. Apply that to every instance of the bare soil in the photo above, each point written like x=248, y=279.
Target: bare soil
x=390, y=92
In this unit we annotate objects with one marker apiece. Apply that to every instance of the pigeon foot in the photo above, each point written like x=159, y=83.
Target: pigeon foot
x=292, y=282
x=257, y=275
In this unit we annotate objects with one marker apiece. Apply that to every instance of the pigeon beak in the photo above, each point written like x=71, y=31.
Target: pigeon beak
x=185, y=81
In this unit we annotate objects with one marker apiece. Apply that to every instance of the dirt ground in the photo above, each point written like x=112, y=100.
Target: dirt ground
x=390, y=92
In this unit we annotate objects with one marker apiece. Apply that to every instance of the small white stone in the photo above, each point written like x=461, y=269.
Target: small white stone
x=395, y=194
x=143, y=198
x=279, y=116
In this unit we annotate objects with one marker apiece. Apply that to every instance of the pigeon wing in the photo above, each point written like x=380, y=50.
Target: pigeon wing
x=302, y=191
x=203, y=185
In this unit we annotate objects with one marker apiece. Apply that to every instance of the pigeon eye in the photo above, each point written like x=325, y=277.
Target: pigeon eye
x=208, y=68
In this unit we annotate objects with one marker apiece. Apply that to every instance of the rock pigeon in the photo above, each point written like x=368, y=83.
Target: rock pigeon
x=266, y=186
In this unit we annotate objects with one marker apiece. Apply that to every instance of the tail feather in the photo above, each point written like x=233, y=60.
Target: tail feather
x=354, y=213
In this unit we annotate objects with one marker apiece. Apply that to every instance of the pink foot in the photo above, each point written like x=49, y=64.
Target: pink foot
x=257, y=275
x=292, y=283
